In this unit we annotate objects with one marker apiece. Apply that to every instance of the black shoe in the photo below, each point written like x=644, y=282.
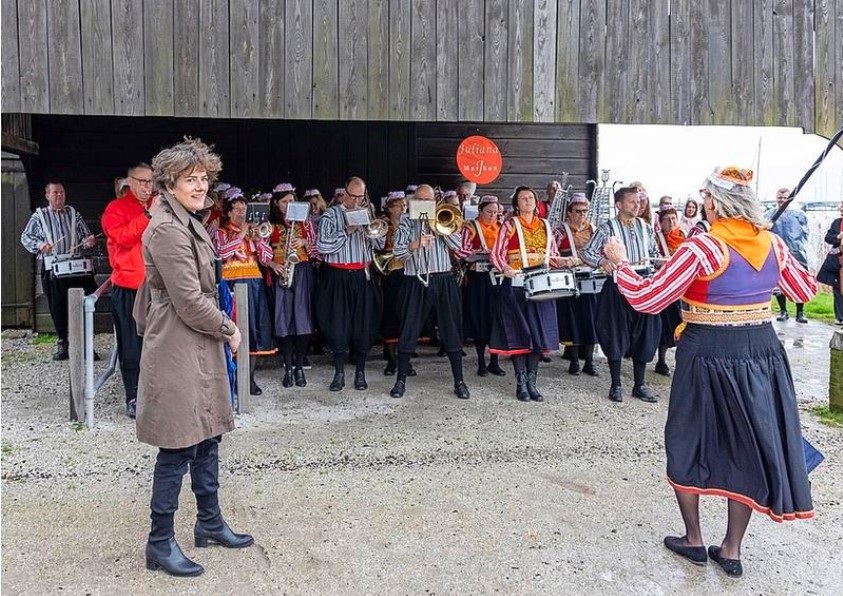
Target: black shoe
x=662, y=369
x=132, y=409
x=461, y=390
x=398, y=389
x=574, y=367
x=224, y=536
x=616, y=393
x=800, y=318
x=168, y=556
x=96, y=357
x=783, y=316
x=441, y=352
x=338, y=383
x=254, y=389
x=411, y=372
x=61, y=351
x=496, y=370
x=531, y=386
x=590, y=369
x=732, y=567
x=695, y=554
x=482, y=371
x=288, y=378
x=306, y=364
x=521, y=393
x=544, y=358
x=390, y=369
x=644, y=393
x=360, y=380
x=298, y=376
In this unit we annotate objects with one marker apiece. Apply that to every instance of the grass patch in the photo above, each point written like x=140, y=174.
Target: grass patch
x=828, y=416
x=43, y=339
x=821, y=308
x=80, y=427
x=6, y=448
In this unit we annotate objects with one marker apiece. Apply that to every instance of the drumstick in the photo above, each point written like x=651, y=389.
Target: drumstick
x=53, y=245
x=83, y=242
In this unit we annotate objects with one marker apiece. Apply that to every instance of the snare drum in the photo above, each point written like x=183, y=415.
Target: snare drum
x=70, y=266
x=590, y=281
x=546, y=284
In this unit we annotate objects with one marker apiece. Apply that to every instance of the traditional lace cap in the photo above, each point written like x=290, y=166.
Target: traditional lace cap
x=578, y=197
x=222, y=187
x=487, y=200
x=449, y=193
x=730, y=176
x=339, y=191
x=395, y=195
x=233, y=193
x=312, y=192
x=284, y=187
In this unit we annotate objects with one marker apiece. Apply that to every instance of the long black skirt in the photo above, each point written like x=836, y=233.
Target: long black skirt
x=671, y=319
x=349, y=309
x=575, y=319
x=523, y=326
x=391, y=321
x=261, y=334
x=733, y=424
x=293, y=306
x=480, y=306
x=621, y=330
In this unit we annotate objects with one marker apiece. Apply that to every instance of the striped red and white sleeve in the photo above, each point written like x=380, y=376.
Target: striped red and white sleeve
x=310, y=236
x=226, y=248
x=698, y=256
x=499, y=256
x=794, y=281
x=263, y=251
x=466, y=238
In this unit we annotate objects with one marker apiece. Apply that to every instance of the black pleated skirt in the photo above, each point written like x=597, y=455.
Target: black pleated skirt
x=348, y=309
x=575, y=319
x=733, y=424
x=523, y=326
x=671, y=318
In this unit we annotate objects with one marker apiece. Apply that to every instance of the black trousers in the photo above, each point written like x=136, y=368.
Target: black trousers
x=170, y=468
x=55, y=289
x=442, y=296
x=621, y=330
x=129, y=343
x=838, y=305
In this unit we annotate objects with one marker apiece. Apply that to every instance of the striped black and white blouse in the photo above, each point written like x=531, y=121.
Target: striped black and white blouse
x=637, y=236
x=434, y=259
x=339, y=247
x=64, y=229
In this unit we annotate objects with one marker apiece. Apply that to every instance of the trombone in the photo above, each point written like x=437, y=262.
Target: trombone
x=447, y=220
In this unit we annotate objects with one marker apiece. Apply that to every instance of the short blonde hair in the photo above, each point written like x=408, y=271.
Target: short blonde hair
x=182, y=158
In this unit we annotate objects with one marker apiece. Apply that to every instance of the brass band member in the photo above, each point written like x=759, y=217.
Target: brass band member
x=429, y=285
x=241, y=249
x=668, y=239
x=480, y=308
x=526, y=328
x=576, y=315
x=293, y=245
x=349, y=305
x=620, y=329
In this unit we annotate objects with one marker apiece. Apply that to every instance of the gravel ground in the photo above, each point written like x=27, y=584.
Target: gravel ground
x=357, y=493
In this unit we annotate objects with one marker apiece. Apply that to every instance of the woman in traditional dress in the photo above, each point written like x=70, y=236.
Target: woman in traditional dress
x=575, y=316
x=668, y=239
x=241, y=250
x=480, y=305
x=830, y=271
x=293, y=251
x=525, y=328
x=733, y=424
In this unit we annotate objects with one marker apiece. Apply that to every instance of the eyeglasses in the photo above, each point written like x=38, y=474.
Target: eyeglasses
x=704, y=194
x=580, y=211
x=144, y=181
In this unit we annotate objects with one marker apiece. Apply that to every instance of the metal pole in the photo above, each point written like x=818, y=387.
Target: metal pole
x=90, y=306
x=241, y=303
x=76, y=335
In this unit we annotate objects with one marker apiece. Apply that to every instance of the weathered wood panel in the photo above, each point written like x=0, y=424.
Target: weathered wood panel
x=98, y=69
x=762, y=37
x=472, y=27
x=34, y=73
x=423, y=61
x=719, y=60
x=354, y=35
x=824, y=98
x=591, y=63
x=243, y=55
x=64, y=56
x=399, y=59
x=519, y=97
x=555, y=59
x=700, y=101
x=680, y=61
x=741, y=61
x=377, y=99
x=127, y=46
x=447, y=60
x=661, y=63
x=159, y=57
x=803, y=40
x=214, y=68
x=495, y=62
x=298, y=74
x=186, y=57
x=783, y=84
x=9, y=57
x=271, y=59
x=326, y=60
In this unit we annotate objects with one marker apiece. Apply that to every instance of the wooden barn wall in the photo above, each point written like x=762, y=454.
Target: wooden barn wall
x=753, y=62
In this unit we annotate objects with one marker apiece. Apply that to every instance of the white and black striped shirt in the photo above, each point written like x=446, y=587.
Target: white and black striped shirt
x=638, y=238
x=65, y=226
x=339, y=247
x=434, y=259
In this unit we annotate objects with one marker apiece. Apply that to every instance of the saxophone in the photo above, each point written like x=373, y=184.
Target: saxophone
x=291, y=258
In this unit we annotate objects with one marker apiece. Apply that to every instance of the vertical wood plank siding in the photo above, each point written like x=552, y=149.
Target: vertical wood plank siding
x=754, y=62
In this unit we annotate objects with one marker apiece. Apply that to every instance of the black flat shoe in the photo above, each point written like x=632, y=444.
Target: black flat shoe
x=338, y=383
x=544, y=358
x=461, y=390
x=390, y=369
x=360, y=380
x=695, y=554
x=168, y=556
x=254, y=389
x=298, y=375
x=590, y=369
x=496, y=370
x=574, y=368
x=482, y=371
x=645, y=394
x=398, y=389
x=800, y=318
x=224, y=536
x=731, y=567
x=531, y=387
x=132, y=409
x=288, y=378
x=411, y=372
x=616, y=393
x=783, y=316
x=662, y=369
x=521, y=393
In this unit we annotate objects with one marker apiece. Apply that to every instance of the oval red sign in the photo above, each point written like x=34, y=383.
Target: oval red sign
x=479, y=159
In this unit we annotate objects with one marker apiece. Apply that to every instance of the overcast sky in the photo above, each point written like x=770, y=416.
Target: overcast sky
x=673, y=160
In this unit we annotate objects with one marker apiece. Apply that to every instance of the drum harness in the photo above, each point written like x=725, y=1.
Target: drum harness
x=42, y=218
x=518, y=280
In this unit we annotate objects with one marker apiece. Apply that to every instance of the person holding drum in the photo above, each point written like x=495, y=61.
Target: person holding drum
x=669, y=237
x=575, y=316
x=241, y=249
x=480, y=308
x=59, y=229
x=621, y=330
x=525, y=328
x=293, y=248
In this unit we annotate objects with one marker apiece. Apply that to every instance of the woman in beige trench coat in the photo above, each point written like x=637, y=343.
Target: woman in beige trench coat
x=183, y=394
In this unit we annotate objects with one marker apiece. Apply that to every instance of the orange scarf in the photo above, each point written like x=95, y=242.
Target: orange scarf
x=752, y=244
x=674, y=239
x=490, y=232
x=530, y=227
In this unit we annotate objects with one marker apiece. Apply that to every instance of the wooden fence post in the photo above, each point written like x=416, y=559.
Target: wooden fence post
x=76, y=341
x=241, y=302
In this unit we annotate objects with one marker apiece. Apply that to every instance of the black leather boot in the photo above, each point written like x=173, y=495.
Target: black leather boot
x=339, y=381
x=167, y=555
x=298, y=375
x=521, y=386
x=225, y=536
x=288, y=378
x=360, y=380
x=531, y=386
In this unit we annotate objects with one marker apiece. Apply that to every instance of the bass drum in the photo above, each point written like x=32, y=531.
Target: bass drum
x=546, y=284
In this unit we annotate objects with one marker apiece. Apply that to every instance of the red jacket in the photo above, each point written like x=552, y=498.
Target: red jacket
x=123, y=224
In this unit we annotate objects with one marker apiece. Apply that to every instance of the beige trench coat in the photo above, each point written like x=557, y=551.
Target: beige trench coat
x=183, y=393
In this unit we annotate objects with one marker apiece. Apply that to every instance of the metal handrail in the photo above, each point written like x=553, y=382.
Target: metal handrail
x=92, y=384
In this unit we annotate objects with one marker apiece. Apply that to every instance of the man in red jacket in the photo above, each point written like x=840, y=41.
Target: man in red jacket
x=123, y=223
